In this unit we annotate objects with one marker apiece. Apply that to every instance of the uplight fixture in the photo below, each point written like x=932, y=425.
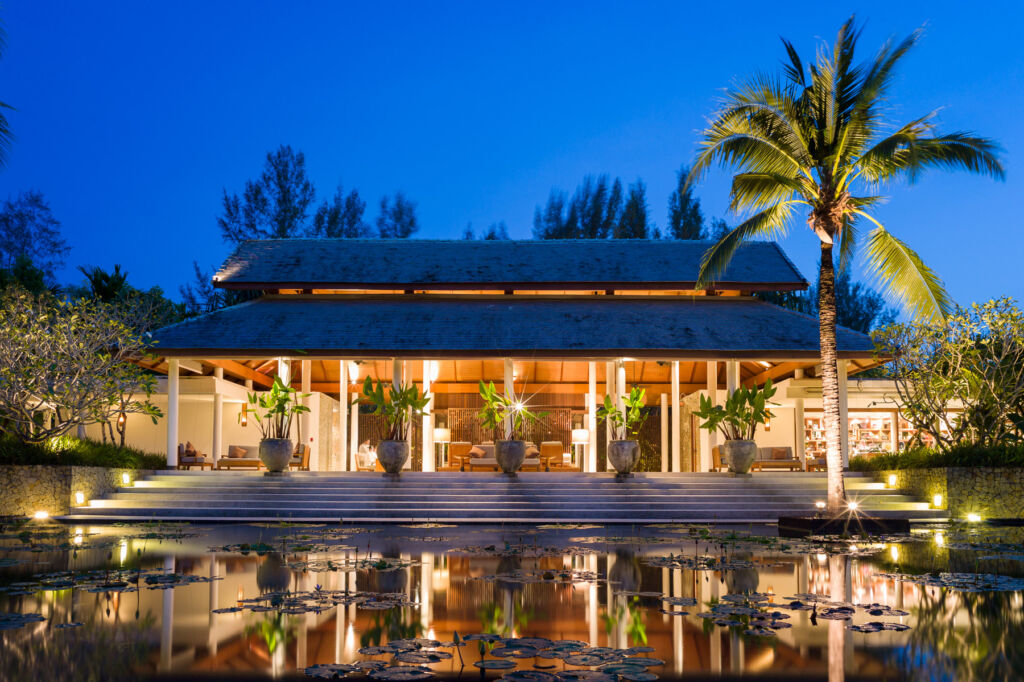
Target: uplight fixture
x=973, y=518
x=820, y=504
x=41, y=514
x=894, y=552
x=518, y=406
x=892, y=480
x=79, y=498
x=243, y=419
x=126, y=478
x=852, y=505
x=940, y=539
x=937, y=500
x=120, y=419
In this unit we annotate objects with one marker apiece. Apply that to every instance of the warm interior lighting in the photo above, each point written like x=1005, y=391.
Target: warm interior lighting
x=768, y=421
x=822, y=558
x=41, y=514
x=580, y=436
x=244, y=419
x=937, y=501
x=852, y=506
x=126, y=478
x=120, y=419
x=892, y=480
x=442, y=435
x=973, y=518
x=764, y=363
x=518, y=406
x=79, y=498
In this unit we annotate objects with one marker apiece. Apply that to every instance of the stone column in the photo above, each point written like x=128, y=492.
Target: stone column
x=172, y=413
x=663, y=411
x=341, y=456
x=676, y=417
x=591, y=459
x=844, y=413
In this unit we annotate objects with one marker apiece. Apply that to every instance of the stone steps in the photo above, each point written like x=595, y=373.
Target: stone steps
x=486, y=498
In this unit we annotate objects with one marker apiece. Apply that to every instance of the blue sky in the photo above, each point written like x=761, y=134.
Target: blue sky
x=133, y=117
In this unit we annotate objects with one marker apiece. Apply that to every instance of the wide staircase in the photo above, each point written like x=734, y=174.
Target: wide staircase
x=489, y=498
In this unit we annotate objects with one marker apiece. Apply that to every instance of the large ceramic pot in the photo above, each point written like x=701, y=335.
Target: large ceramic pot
x=276, y=453
x=739, y=455
x=273, y=574
x=624, y=454
x=392, y=455
x=510, y=455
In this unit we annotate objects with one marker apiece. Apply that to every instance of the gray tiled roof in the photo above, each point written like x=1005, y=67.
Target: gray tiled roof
x=409, y=263
x=435, y=326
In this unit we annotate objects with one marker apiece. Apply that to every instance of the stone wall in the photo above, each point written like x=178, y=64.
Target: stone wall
x=990, y=492
x=28, y=489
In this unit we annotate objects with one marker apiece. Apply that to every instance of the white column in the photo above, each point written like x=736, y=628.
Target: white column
x=211, y=637
x=712, y=390
x=172, y=412
x=677, y=446
x=428, y=418
x=305, y=419
x=353, y=432
x=620, y=383
x=663, y=411
x=844, y=414
x=510, y=386
x=426, y=591
x=218, y=426
x=609, y=389
x=284, y=370
x=341, y=457
x=799, y=436
x=732, y=377
x=592, y=416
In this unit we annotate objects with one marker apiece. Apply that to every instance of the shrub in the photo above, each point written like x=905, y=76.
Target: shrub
x=67, y=450
x=963, y=455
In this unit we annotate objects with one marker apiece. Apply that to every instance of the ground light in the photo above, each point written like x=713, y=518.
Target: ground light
x=79, y=498
x=41, y=514
x=937, y=501
x=126, y=478
x=973, y=518
x=819, y=504
x=940, y=539
x=892, y=480
x=852, y=506
x=894, y=552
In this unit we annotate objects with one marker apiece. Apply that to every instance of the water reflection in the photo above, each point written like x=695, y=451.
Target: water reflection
x=279, y=599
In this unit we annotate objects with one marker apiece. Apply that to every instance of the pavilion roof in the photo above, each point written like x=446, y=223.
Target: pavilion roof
x=434, y=326
x=411, y=264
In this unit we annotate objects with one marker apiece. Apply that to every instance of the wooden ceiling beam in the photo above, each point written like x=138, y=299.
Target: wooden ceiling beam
x=237, y=369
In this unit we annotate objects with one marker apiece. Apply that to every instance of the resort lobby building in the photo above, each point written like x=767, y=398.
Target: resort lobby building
x=560, y=324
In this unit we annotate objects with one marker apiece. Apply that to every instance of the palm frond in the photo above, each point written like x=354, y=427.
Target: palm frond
x=794, y=70
x=755, y=191
x=847, y=242
x=904, y=276
x=769, y=223
x=907, y=152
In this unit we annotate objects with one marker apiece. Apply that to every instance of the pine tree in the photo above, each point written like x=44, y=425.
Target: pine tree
x=633, y=222
x=275, y=205
x=685, y=219
x=342, y=216
x=397, y=219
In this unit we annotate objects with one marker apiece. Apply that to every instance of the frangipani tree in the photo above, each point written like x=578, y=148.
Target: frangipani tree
x=815, y=142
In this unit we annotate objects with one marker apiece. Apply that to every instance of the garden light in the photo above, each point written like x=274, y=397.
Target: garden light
x=937, y=501
x=126, y=478
x=894, y=552
x=973, y=518
x=852, y=506
x=819, y=504
x=940, y=540
x=892, y=480
x=79, y=498
x=41, y=514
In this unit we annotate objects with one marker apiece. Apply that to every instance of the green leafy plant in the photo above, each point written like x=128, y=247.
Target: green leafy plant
x=630, y=419
x=961, y=455
x=742, y=412
x=399, y=406
x=273, y=410
x=504, y=415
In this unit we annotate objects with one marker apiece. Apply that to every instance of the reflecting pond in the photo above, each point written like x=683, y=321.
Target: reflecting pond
x=555, y=602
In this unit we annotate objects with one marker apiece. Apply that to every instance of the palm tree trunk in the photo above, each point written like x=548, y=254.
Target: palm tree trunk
x=830, y=380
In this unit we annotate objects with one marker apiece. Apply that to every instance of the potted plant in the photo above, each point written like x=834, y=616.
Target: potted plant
x=273, y=411
x=506, y=416
x=624, y=450
x=399, y=407
x=737, y=421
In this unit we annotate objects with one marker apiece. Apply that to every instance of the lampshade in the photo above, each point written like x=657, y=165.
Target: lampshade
x=442, y=435
x=580, y=436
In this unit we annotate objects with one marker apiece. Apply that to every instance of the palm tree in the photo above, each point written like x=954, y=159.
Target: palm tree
x=6, y=136
x=817, y=140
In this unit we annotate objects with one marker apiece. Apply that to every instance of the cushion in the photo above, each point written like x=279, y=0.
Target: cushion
x=476, y=451
x=236, y=452
x=780, y=453
x=190, y=450
x=532, y=451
